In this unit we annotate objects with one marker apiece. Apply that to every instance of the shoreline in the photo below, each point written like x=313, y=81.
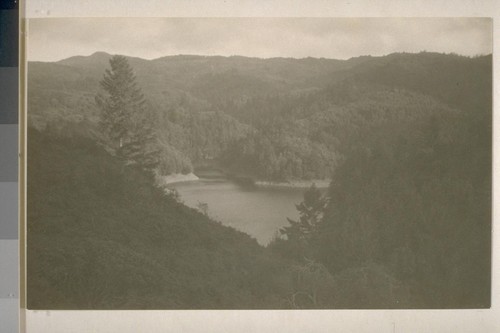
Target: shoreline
x=320, y=183
x=175, y=178
x=300, y=184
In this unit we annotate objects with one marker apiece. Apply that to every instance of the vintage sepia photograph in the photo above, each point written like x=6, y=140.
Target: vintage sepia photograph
x=259, y=163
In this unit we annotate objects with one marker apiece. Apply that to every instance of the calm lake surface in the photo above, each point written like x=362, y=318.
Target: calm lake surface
x=258, y=211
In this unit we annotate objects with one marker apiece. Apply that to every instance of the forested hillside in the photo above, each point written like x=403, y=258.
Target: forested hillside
x=102, y=236
x=406, y=140
x=193, y=99
x=306, y=135
x=272, y=119
x=409, y=208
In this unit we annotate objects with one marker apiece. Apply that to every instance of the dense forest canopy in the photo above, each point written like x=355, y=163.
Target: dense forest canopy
x=406, y=140
x=287, y=116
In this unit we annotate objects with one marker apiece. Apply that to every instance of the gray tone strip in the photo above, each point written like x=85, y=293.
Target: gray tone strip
x=9, y=34
x=9, y=95
x=9, y=268
x=9, y=211
x=8, y=153
x=9, y=315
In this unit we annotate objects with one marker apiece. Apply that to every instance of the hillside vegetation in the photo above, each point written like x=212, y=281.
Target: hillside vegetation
x=102, y=236
x=408, y=217
x=291, y=117
x=406, y=223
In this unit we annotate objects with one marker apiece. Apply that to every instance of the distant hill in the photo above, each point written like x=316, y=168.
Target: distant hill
x=199, y=77
x=277, y=100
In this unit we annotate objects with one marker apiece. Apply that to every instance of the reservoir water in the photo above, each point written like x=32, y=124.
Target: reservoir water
x=258, y=211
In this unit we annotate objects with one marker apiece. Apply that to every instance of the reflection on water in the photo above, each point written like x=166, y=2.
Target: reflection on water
x=260, y=212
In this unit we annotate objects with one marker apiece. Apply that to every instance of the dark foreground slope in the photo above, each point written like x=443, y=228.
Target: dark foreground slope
x=408, y=223
x=100, y=236
x=414, y=196
x=416, y=202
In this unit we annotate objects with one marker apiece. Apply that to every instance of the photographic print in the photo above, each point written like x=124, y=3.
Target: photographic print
x=259, y=163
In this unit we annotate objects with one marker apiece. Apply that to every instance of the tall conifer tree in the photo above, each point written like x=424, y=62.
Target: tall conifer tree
x=125, y=121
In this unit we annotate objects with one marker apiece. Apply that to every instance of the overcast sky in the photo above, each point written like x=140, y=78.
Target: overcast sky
x=54, y=39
